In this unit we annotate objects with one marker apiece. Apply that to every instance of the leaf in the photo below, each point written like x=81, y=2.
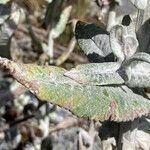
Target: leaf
x=140, y=56
x=137, y=68
x=96, y=74
x=60, y=26
x=123, y=42
x=140, y=4
x=138, y=73
x=51, y=17
x=48, y=83
x=94, y=41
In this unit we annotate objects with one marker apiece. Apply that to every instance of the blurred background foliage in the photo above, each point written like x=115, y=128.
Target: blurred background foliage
x=37, y=19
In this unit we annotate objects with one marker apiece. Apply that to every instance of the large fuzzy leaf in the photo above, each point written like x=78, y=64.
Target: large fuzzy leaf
x=96, y=74
x=94, y=41
x=138, y=74
x=137, y=68
x=96, y=102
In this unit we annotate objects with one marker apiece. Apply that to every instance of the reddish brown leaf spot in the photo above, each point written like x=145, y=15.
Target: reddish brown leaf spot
x=111, y=112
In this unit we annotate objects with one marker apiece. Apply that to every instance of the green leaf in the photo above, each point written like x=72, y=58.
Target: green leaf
x=48, y=83
x=96, y=74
